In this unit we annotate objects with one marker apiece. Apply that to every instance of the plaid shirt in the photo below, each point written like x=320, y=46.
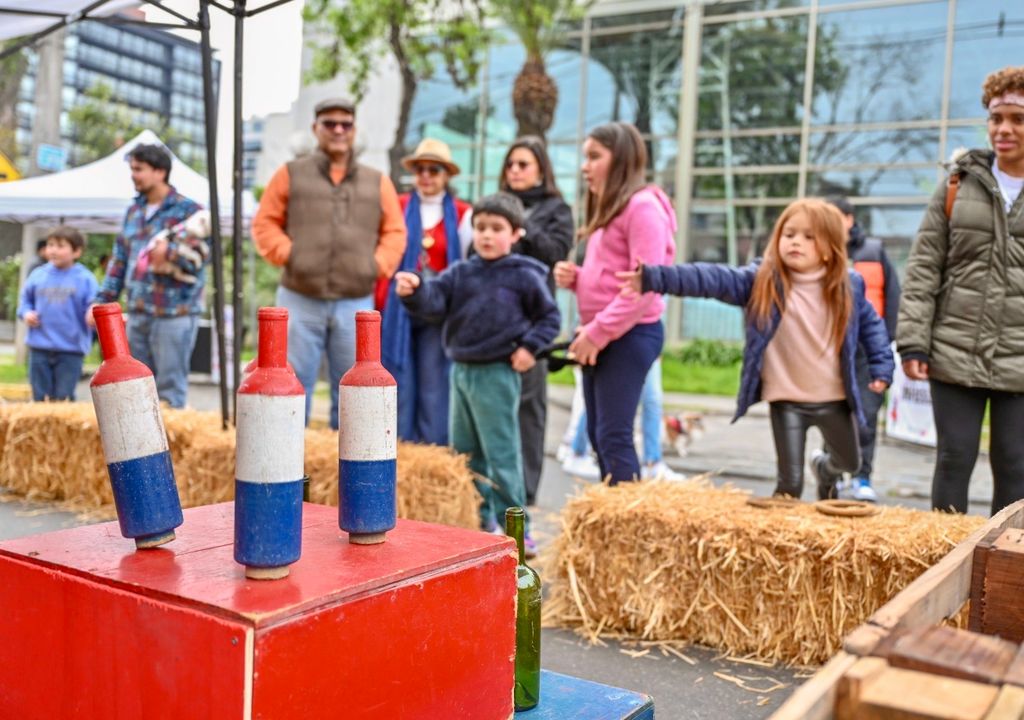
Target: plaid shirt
x=158, y=295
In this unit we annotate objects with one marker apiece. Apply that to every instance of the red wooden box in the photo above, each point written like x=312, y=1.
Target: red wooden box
x=422, y=626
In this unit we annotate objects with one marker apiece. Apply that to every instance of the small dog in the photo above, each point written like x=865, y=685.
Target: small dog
x=195, y=226
x=682, y=429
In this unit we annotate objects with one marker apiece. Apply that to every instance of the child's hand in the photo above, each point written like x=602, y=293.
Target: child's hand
x=565, y=274
x=583, y=349
x=878, y=386
x=406, y=283
x=632, y=281
x=89, y=319
x=522, y=360
x=31, y=319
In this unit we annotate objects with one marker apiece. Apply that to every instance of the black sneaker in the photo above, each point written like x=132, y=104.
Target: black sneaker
x=826, y=481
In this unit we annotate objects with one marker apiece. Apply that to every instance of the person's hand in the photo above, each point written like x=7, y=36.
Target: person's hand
x=565, y=274
x=406, y=283
x=632, y=281
x=878, y=386
x=31, y=319
x=89, y=319
x=158, y=253
x=522, y=360
x=915, y=369
x=583, y=349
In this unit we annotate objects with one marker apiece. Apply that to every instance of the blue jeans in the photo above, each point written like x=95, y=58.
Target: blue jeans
x=611, y=389
x=165, y=345
x=54, y=374
x=431, y=398
x=315, y=326
x=650, y=419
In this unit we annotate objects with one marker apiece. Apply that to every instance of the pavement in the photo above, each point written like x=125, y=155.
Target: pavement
x=703, y=686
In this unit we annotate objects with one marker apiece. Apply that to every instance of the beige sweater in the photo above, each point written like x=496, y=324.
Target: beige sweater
x=801, y=363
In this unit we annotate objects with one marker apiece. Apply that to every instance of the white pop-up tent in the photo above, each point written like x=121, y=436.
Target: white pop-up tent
x=94, y=197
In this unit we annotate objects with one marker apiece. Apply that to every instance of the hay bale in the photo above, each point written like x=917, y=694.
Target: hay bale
x=52, y=452
x=688, y=561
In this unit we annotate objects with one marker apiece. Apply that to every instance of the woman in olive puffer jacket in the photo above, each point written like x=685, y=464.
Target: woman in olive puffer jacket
x=961, y=320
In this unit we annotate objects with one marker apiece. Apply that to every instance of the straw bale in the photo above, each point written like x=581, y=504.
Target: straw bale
x=691, y=562
x=52, y=452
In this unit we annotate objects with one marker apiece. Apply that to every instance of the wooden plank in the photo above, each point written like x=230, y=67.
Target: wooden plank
x=1009, y=704
x=852, y=684
x=942, y=589
x=816, y=698
x=905, y=694
x=1015, y=673
x=980, y=561
x=1002, y=603
x=954, y=653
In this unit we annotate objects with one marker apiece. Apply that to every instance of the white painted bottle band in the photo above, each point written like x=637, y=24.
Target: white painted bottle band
x=368, y=423
x=270, y=439
x=129, y=418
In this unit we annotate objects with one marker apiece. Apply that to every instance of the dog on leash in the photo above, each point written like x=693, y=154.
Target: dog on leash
x=681, y=429
x=197, y=226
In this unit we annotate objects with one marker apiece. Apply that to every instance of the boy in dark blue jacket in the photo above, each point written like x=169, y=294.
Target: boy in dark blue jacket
x=498, y=313
x=53, y=304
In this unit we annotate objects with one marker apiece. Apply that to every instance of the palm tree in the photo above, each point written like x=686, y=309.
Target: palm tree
x=539, y=25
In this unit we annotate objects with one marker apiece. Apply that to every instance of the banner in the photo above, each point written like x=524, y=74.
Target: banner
x=909, y=412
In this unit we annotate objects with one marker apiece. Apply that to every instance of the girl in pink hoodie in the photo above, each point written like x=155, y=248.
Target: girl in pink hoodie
x=628, y=221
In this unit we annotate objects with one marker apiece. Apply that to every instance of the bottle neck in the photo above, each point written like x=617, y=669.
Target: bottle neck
x=112, y=335
x=273, y=342
x=515, y=527
x=368, y=336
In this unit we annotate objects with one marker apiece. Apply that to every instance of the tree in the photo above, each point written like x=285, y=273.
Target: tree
x=540, y=26
x=12, y=70
x=100, y=124
x=417, y=33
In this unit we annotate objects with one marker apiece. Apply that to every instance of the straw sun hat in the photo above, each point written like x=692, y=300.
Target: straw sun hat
x=435, y=151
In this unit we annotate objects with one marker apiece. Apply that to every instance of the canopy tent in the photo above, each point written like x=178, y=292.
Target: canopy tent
x=94, y=197
x=56, y=14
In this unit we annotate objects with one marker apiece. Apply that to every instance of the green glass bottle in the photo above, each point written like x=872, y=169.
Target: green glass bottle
x=527, y=689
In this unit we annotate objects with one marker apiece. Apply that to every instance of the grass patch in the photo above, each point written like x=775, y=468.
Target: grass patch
x=680, y=377
x=11, y=372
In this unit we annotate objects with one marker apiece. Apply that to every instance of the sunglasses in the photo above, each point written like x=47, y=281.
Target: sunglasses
x=432, y=170
x=332, y=125
x=518, y=164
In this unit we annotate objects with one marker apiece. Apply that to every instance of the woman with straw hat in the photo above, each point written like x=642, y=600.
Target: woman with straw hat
x=440, y=231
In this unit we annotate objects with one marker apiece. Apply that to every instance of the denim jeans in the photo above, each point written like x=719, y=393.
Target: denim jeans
x=316, y=326
x=165, y=345
x=54, y=374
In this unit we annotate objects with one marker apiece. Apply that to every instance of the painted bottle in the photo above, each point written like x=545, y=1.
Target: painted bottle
x=133, y=436
x=269, y=456
x=528, y=597
x=367, y=447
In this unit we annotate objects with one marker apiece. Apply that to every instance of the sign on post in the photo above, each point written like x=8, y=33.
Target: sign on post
x=51, y=158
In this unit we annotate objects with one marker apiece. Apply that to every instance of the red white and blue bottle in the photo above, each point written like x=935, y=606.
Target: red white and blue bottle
x=269, y=456
x=367, y=448
x=134, y=440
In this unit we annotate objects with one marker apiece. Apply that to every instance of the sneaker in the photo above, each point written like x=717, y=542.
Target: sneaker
x=529, y=546
x=562, y=452
x=660, y=471
x=491, y=526
x=826, y=481
x=844, y=490
x=862, y=490
x=582, y=466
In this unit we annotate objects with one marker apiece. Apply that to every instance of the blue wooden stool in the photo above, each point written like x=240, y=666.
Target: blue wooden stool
x=567, y=698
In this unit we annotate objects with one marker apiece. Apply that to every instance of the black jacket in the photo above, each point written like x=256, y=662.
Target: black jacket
x=549, y=228
x=489, y=308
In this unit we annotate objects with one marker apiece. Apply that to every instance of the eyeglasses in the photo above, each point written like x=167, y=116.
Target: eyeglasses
x=332, y=125
x=432, y=170
x=519, y=164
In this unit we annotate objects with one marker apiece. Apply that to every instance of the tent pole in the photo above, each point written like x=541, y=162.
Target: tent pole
x=236, y=232
x=210, y=116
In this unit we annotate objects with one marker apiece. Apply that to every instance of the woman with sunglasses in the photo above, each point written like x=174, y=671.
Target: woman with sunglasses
x=440, y=231
x=528, y=175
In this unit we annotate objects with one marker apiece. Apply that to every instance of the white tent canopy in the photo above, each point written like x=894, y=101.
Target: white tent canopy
x=94, y=197
x=12, y=25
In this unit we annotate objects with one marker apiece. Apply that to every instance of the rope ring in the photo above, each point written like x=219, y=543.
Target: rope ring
x=770, y=503
x=846, y=508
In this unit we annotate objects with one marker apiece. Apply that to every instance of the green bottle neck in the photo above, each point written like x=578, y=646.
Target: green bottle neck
x=515, y=527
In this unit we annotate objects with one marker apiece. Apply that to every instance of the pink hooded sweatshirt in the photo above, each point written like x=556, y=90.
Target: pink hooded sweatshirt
x=643, y=232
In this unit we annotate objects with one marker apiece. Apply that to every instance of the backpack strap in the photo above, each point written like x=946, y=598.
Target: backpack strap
x=952, y=186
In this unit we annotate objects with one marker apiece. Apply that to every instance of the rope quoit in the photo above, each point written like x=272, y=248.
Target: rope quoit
x=846, y=508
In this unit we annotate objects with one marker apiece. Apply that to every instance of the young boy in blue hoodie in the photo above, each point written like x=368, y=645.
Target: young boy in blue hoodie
x=53, y=304
x=497, y=313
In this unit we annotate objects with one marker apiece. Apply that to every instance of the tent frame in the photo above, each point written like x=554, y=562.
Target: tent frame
x=201, y=24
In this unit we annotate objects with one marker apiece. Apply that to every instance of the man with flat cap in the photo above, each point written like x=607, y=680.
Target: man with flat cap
x=335, y=226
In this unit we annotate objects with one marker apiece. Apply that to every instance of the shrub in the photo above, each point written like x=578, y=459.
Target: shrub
x=713, y=353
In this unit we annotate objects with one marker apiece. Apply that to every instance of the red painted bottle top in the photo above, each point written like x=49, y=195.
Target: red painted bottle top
x=270, y=373
x=118, y=364
x=368, y=370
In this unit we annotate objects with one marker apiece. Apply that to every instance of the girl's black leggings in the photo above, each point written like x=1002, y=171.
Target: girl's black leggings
x=959, y=412
x=790, y=422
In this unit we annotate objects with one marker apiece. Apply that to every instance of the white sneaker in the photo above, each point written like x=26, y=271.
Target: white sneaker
x=563, y=452
x=660, y=471
x=582, y=466
x=863, y=491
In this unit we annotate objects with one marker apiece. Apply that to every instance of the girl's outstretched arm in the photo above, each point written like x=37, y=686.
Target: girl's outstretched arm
x=721, y=282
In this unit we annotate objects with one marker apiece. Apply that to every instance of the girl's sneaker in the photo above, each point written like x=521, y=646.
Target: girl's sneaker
x=861, y=490
x=582, y=466
x=660, y=471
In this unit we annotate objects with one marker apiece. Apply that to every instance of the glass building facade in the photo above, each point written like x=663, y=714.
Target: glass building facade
x=157, y=76
x=747, y=104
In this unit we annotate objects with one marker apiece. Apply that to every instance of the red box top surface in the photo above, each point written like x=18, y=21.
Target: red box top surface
x=198, y=568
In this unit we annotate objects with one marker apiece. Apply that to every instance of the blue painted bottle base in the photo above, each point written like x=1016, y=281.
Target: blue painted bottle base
x=145, y=496
x=366, y=498
x=268, y=524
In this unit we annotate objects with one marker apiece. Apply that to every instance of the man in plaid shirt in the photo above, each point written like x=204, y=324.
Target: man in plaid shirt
x=164, y=273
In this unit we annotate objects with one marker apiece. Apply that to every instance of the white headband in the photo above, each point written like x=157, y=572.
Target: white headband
x=1006, y=99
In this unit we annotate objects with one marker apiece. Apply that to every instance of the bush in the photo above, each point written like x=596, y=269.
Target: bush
x=9, y=268
x=711, y=353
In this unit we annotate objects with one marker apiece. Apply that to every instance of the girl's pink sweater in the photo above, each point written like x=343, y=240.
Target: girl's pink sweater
x=643, y=232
